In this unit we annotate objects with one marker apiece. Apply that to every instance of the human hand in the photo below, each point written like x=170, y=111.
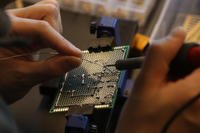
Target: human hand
x=40, y=23
x=46, y=10
x=155, y=99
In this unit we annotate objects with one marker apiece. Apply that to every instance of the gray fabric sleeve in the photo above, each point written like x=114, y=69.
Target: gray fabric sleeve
x=7, y=123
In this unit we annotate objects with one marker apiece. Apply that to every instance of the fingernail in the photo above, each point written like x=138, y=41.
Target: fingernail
x=178, y=31
x=72, y=62
x=79, y=53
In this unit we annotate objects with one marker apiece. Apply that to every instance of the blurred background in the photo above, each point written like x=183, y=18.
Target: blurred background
x=156, y=18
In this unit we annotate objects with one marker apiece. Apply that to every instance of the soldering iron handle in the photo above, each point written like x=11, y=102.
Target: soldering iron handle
x=186, y=60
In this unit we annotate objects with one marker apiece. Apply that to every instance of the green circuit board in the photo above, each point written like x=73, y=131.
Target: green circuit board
x=93, y=84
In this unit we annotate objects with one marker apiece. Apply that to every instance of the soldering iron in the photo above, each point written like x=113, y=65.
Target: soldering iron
x=186, y=60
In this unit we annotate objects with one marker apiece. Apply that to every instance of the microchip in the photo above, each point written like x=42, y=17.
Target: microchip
x=93, y=84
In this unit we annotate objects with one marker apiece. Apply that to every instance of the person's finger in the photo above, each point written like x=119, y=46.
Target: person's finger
x=53, y=15
x=184, y=90
x=45, y=10
x=158, y=58
x=53, y=67
x=54, y=2
x=42, y=30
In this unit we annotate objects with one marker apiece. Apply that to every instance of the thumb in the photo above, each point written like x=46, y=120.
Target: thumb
x=185, y=89
x=158, y=58
x=55, y=66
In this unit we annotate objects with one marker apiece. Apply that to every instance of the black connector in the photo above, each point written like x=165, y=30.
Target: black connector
x=100, y=49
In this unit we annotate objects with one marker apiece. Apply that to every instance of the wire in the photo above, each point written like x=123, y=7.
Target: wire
x=51, y=53
x=24, y=54
x=179, y=112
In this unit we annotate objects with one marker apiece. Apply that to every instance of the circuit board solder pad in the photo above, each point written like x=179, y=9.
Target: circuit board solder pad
x=93, y=83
